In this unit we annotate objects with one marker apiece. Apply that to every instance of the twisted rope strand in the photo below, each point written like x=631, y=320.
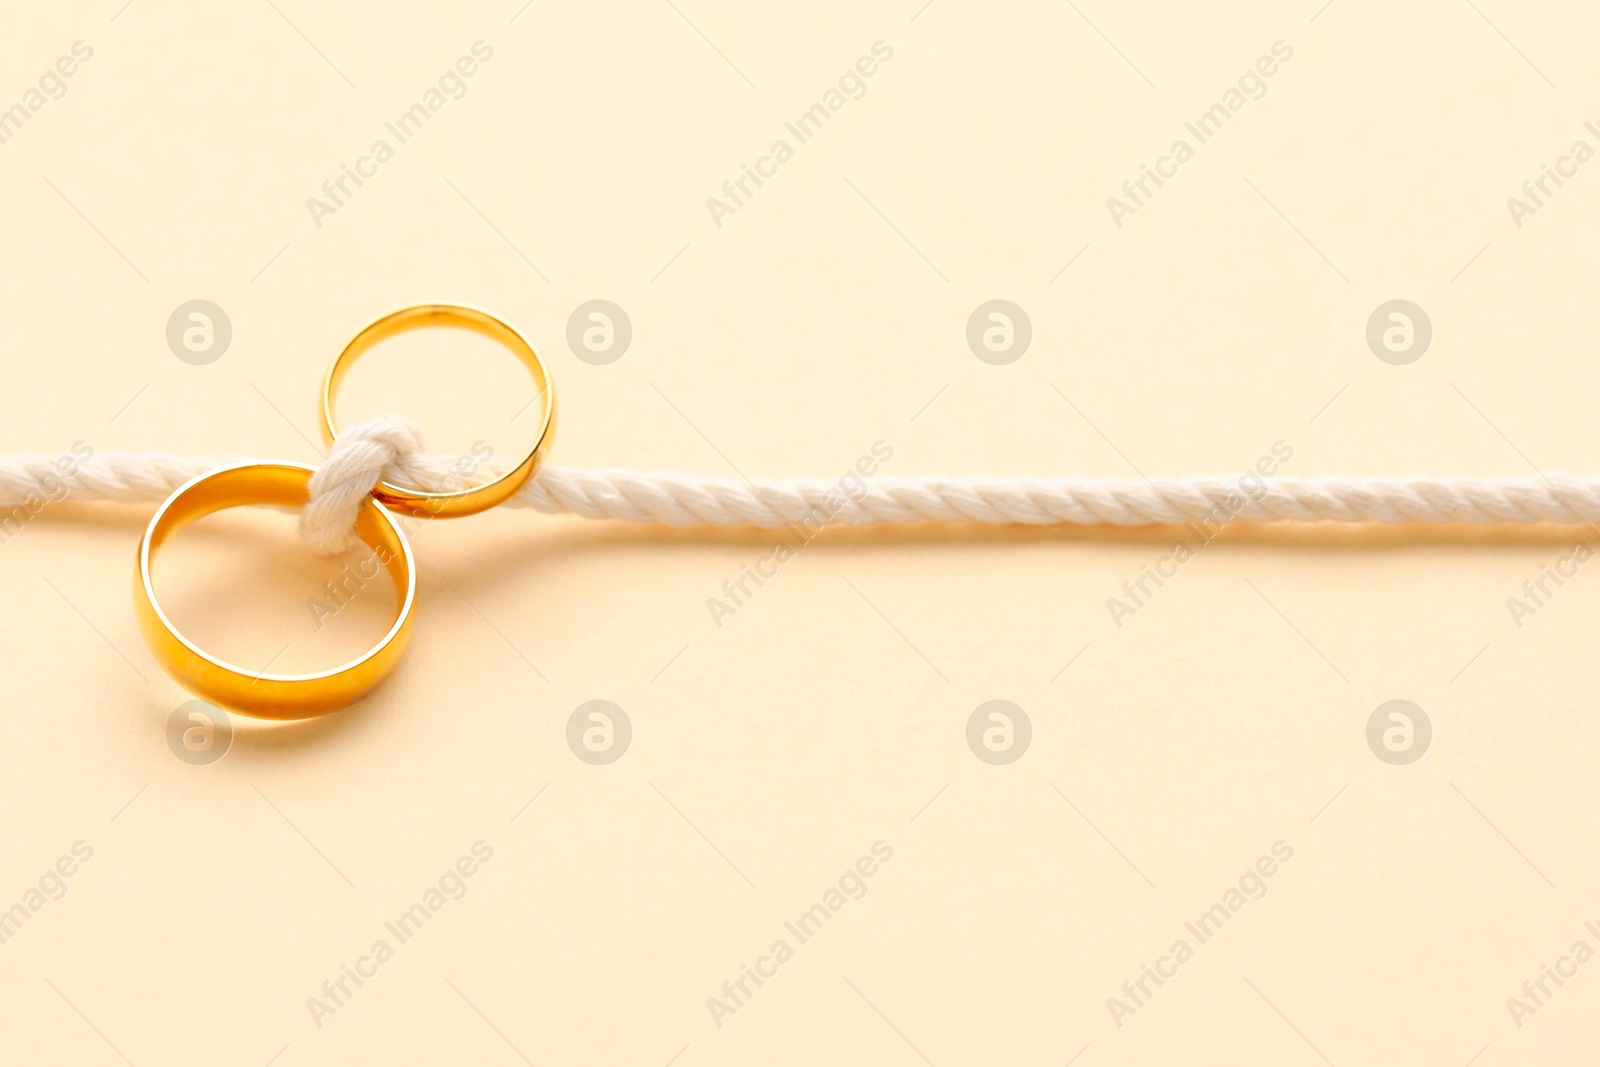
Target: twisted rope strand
x=683, y=500
x=390, y=447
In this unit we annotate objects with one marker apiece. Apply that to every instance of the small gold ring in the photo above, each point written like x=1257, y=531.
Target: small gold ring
x=258, y=694
x=474, y=498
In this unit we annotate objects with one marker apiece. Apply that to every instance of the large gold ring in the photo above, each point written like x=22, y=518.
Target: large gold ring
x=471, y=499
x=259, y=694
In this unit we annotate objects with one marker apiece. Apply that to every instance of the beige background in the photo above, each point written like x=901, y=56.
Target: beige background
x=829, y=713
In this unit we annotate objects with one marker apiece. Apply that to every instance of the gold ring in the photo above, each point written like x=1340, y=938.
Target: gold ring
x=473, y=498
x=269, y=696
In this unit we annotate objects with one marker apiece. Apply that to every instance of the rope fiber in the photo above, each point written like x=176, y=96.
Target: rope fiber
x=390, y=448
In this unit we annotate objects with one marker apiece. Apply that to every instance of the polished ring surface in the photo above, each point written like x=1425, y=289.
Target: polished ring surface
x=470, y=499
x=262, y=695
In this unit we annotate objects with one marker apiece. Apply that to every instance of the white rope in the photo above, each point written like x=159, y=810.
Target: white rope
x=390, y=448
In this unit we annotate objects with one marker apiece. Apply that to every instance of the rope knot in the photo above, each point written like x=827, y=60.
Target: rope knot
x=387, y=448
